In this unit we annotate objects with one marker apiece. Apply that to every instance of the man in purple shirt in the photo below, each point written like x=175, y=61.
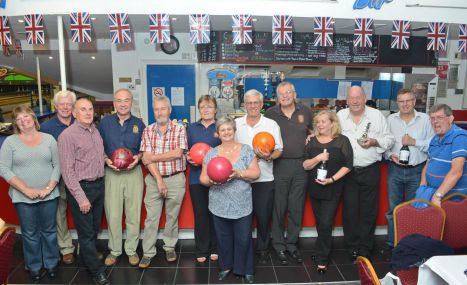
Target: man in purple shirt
x=81, y=151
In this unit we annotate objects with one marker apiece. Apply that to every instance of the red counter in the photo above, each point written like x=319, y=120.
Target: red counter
x=186, y=220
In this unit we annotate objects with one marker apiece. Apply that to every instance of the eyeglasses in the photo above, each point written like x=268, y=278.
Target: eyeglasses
x=253, y=103
x=405, y=101
x=123, y=101
x=206, y=107
x=288, y=92
x=438, y=118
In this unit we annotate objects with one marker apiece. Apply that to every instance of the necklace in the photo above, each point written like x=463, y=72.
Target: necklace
x=229, y=151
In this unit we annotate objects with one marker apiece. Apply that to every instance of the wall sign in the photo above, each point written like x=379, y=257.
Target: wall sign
x=371, y=4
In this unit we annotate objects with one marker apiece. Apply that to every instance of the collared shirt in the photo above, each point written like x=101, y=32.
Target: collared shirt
x=81, y=153
x=378, y=130
x=419, y=128
x=197, y=132
x=55, y=127
x=294, y=130
x=156, y=142
x=115, y=135
x=245, y=134
x=441, y=153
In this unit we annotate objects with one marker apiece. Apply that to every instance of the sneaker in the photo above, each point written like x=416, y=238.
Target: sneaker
x=133, y=259
x=170, y=255
x=145, y=262
x=110, y=260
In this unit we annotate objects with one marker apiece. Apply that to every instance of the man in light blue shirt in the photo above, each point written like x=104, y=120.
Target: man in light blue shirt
x=413, y=129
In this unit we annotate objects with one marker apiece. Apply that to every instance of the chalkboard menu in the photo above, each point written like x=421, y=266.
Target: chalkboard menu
x=302, y=51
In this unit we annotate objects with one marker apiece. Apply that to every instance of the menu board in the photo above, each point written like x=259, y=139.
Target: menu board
x=303, y=51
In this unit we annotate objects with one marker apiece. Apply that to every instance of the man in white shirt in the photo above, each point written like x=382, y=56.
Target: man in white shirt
x=263, y=188
x=413, y=129
x=369, y=136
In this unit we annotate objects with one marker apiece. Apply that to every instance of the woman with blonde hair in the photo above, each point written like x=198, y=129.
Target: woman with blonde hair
x=329, y=146
x=29, y=162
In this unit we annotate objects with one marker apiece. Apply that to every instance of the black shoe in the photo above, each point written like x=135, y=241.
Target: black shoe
x=282, y=257
x=52, y=272
x=35, y=276
x=263, y=257
x=223, y=274
x=353, y=255
x=249, y=278
x=101, y=279
x=296, y=256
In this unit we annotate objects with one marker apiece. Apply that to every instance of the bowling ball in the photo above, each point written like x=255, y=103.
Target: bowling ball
x=122, y=157
x=198, y=151
x=264, y=141
x=219, y=169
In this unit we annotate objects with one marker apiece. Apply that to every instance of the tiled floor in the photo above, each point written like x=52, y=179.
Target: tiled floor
x=186, y=271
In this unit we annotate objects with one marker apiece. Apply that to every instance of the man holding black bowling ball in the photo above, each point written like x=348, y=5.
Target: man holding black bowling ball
x=123, y=187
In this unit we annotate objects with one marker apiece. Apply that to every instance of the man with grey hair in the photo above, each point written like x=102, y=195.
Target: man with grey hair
x=163, y=145
x=123, y=187
x=263, y=187
x=63, y=102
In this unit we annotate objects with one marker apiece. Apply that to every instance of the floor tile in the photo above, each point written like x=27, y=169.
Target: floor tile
x=192, y=275
x=83, y=277
x=349, y=271
x=125, y=276
x=265, y=275
x=188, y=259
x=331, y=275
x=231, y=279
x=340, y=256
x=292, y=274
x=158, y=276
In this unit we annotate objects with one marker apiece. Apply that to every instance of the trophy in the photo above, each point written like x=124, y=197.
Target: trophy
x=265, y=76
x=364, y=136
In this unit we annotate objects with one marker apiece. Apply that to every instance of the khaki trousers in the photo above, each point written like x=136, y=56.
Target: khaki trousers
x=123, y=191
x=154, y=203
x=64, y=239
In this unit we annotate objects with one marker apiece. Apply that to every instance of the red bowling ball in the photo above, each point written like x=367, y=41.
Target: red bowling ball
x=198, y=152
x=219, y=169
x=122, y=158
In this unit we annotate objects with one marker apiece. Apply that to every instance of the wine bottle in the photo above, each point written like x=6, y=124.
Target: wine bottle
x=404, y=154
x=322, y=170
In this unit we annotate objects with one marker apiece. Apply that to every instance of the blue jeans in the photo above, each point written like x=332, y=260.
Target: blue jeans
x=39, y=232
x=402, y=186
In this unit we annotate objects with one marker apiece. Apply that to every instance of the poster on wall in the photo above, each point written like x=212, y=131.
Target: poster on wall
x=177, y=96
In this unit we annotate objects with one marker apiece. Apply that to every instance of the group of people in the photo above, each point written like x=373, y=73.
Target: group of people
x=66, y=162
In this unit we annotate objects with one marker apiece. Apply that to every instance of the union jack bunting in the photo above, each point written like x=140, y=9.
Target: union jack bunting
x=18, y=49
x=119, y=28
x=363, y=32
x=35, y=32
x=5, y=36
x=80, y=27
x=159, y=28
x=437, y=36
x=242, y=29
x=6, y=50
x=200, y=29
x=324, y=30
x=462, y=38
x=282, y=29
x=400, y=34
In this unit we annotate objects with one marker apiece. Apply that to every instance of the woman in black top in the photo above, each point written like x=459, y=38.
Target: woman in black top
x=325, y=194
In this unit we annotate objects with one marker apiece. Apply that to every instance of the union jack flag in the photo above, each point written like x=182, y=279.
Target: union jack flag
x=282, y=29
x=462, y=38
x=80, y=27
x=200, y=29
x=5, y=36
x=18, y=49
x=159, y=28
x=35, y=32
x=6, y=50
x=242, y=29
x=400, y=34
x=119, y=28
x=437, y=36
x=324, y=30
x=363, y=32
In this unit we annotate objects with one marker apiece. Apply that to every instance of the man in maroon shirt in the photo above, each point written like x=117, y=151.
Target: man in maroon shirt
x=81, y=153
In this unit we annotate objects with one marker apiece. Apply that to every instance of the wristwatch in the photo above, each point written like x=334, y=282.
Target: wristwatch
x=438, y=195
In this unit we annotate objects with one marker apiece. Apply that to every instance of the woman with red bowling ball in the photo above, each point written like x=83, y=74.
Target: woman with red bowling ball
x=29, y=162
x=330, y=146
x=202, y=131
x=231, y=201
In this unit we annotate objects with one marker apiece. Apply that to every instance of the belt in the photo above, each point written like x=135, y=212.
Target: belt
x=98, y=180
x=409, y=166
x=361, y=168
x=169, y=175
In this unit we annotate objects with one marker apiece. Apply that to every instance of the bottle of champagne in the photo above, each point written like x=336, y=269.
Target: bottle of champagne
x=404, y=154
x=322, y=170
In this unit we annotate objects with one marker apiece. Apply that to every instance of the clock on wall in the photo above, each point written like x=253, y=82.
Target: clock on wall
x=172, y=46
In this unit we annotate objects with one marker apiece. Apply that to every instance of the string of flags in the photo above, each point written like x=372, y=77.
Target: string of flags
x=242, y=31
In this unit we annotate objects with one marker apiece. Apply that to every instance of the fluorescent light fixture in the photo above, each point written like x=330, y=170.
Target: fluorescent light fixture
x=93, y=18
x=20, y=21
x=51, y=57
x=174, y=18
x=93, y=57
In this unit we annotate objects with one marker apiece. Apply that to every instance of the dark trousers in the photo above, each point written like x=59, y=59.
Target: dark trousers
x=289, y=198
x=263, y=198
x=361, y=195
x=205, y=235
x=235, y=244
x=324, y=211
x=88, y=225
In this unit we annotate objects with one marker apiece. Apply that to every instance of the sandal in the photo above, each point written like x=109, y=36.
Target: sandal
x=201, y=259
x=214, y=257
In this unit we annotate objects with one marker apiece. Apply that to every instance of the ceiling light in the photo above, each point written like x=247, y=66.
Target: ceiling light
x=254, y=19
x=51, y=57
x=20, y=21
x=174, y=19
x=93, y=57
x=93, y=18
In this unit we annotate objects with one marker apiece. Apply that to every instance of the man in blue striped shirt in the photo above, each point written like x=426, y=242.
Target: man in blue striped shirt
x=445, y=169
